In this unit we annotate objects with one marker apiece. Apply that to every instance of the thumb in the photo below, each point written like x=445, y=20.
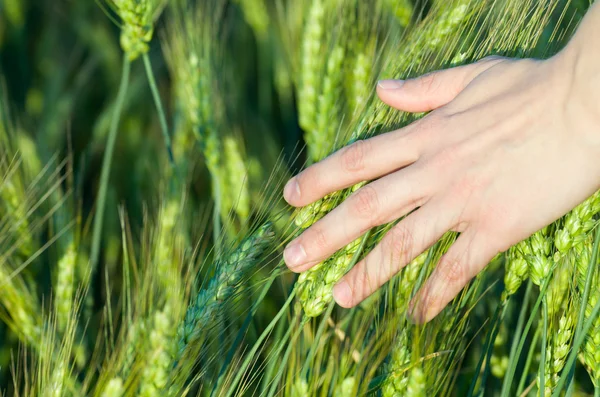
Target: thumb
x=432, y=90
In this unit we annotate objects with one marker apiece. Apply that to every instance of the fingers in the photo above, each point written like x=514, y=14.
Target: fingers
x=402, y=244
x=378, y=156
x=433, y=90
x=361, y=161
x=463, y=261
x=375, y=204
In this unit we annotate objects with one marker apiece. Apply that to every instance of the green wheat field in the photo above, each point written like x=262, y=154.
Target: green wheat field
x=144, y=145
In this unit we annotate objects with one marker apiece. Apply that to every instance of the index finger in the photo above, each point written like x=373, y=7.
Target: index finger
x=361, y=161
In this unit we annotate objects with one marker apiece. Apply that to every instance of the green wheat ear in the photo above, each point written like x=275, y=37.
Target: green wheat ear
x=222, y=286
x=315, y=286
x=137, y=28
x=65, y=286
x=114, y=388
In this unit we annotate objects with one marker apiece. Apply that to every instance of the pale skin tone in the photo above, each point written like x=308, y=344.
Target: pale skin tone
x=508, y=147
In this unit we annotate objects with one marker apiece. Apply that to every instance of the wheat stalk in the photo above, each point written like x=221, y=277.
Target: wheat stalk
x=256, y=15
x=499, y=359
x=406, y=281
x=577, y=225
x=557, y=349
x=137, y=28
x=360, y=81
x=402, y=9
x=114, y=388
x=155, y=374
x=300, y=388
x=65, y=285
x=237, y=178
x=398, y=378
x=311, y=69
x=315, y=286
x=19, y=308
x=425, y=42
x=347, y=388
x=222, y=286
x=590, y=351
x=319, y=138
x=417, y=383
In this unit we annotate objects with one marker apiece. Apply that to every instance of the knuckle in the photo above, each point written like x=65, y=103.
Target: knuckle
x=445, y=157
x=427, y=297
x=499, y=218
x=353, y=156
x=466, y=185
x=320, y=238
x=453, y=271
x=428, y=83
x=434, y=123
x=361, y=283
x=470, y=186
x=365, y=203
x=400, y=245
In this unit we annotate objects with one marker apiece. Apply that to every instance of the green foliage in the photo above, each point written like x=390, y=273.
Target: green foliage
x=131, y=270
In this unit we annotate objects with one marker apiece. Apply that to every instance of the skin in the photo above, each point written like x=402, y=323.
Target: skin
x=509, y=147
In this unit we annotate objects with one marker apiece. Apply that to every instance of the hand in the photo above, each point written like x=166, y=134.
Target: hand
x=508, y=148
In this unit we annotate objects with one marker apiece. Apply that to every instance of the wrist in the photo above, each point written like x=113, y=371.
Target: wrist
x=577, y=70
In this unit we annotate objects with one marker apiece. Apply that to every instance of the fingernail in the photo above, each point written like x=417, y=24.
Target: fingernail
x=342, y=293
x=390, y=84
x=291, y=190
x=294, y=255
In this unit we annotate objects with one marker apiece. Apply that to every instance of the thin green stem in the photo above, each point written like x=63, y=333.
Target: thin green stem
x=318, y=335
x=597, y=391
x=305, y=367
x=273, y=363
x=580, y=336
x=488, y=367
x=510, y=373
x=519, y=330
x=286, y=356
x=106, y=163
x=542, y=371
x=159, y=107
x=243, y=329
x=273, y=357
x=250, y=357
x=584, y=298
x=575, y=349
x=528, y=362
x=217, y=214
x=485, y=355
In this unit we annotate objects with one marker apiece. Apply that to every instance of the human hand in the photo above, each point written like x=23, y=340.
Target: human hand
x=509, y=147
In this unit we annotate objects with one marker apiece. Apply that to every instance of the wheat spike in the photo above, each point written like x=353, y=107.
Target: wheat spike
x=319, y=138
x=223, y=285
x=557, y=349
x=315, y=286
x=158, y=361
x=310, y=80
x=398, y=379
x=137, y=29
x=114, y=388
x=65, y=284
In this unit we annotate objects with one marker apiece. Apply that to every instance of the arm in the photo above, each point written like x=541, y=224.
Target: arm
x=509, y=147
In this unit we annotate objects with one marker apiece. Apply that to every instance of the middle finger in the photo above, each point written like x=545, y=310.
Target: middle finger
x=377, y=203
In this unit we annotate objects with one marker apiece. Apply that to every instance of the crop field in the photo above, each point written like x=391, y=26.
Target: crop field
x=144, y=150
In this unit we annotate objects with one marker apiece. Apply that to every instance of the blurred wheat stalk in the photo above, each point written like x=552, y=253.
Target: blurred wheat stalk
x=131, y=270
